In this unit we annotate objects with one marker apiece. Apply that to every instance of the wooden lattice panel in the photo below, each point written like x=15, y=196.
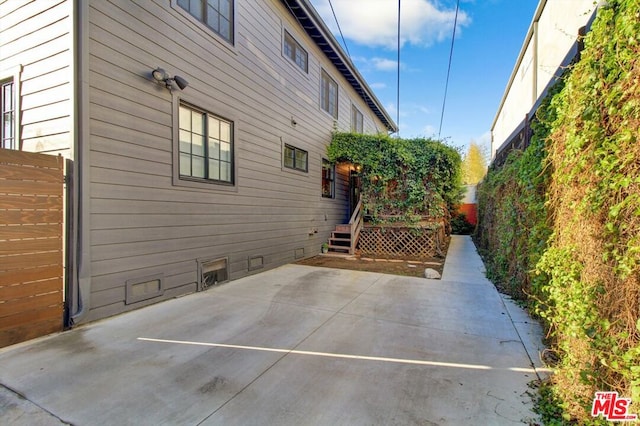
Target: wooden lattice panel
x=400, y=242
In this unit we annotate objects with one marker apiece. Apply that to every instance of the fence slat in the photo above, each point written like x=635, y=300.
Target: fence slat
x=23, y=261
x=10, y=186
x=30, y=231
x=30, y=202
x=30, y=304
x=30, y=173
x=36, y=273
x=20, y=291
x=28, y=217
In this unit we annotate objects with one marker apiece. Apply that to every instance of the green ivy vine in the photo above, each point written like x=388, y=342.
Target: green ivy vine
x=404, y=180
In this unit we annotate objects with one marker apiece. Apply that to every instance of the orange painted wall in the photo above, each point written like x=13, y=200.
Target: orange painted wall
x=471, y=211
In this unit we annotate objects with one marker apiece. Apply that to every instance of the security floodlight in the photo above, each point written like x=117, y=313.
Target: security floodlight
x=161, y=76
x=181, y=82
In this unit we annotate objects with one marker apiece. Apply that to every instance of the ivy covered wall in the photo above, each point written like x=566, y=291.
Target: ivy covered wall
x=560, y=222
x=403, y=180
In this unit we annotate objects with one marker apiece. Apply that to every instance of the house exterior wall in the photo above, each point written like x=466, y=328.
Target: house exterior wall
x=36, y=52
x=141, y=219
x=546, y=50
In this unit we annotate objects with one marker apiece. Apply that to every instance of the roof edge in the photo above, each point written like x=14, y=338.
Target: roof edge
x=356, y=80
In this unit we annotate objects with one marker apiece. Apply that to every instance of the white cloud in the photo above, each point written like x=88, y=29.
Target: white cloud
x=376, y=63
x=378, y=85
x=383, y=64
x=429, y=131
x=374, y=22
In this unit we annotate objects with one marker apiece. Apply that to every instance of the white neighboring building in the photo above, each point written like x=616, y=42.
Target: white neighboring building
x=551, y=44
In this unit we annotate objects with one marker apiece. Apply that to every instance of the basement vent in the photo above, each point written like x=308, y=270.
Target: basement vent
x=256, y=262
x=299, y=253
x=144, y=288
x=212, y=272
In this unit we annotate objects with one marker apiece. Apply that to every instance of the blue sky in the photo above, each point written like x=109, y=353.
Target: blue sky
x=489, y=36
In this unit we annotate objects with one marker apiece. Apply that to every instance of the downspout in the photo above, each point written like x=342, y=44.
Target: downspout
x=82, y=268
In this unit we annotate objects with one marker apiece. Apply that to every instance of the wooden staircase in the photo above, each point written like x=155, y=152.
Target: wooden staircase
x=340, y=240
x=345, y=237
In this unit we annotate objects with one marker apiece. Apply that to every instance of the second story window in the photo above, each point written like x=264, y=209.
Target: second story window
x=216, y=14
x=356, y=120
x=8, y=111
x=294, y=51
x=329, y=95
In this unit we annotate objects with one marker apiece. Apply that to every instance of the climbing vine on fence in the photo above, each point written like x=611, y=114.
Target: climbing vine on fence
x=594, y=193
x=560, y=223
x=404, y=180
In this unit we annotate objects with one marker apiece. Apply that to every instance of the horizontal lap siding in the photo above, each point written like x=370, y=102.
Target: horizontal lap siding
x=31, y=212
x=143, y=225
x=36, y=39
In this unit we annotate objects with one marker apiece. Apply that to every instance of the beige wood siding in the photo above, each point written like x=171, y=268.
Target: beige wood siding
x=36, y=51
x=141, y=223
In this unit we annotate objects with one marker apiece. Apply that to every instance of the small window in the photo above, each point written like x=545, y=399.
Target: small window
x=328, y=179
x=206, y=146
x=294, y=51
x=296, y=158
x=356, y=120
x=215, y=14
x=329, y=95
x=8, y=110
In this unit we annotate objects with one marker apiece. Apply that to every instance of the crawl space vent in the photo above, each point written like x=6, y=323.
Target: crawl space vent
x=213, y=272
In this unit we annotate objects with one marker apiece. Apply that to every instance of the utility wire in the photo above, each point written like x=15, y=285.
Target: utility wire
x=446, y=85
x=339, y=29
x=398, y=77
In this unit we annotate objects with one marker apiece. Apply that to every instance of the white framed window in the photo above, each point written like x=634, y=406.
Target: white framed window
x=295, y=52
x=205, y=146
x=215, y=14
x=356, y=120
x=8, y=137
x=329, y=94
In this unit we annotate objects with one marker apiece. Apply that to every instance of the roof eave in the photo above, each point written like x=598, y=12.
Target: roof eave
x=315, y=27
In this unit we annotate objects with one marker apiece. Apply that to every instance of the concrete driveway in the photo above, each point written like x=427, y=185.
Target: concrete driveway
x=296, y=345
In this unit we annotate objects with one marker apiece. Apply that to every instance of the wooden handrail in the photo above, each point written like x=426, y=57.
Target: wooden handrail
x=355, y=225
x=356, y=212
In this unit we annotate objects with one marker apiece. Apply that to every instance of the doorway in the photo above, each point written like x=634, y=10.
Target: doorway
x=355, y=188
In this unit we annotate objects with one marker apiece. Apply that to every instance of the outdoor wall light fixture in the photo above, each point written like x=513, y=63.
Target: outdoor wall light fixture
x=161, y=76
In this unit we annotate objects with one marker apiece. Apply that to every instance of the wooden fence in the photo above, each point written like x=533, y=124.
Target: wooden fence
x=402, y=241
x=31, y=245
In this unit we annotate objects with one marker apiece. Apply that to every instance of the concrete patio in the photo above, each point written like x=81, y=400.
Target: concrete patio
x=296, y=345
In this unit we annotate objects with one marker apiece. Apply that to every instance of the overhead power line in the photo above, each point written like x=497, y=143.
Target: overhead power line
x=339, y=29
x=398, y=78
x=446, y=85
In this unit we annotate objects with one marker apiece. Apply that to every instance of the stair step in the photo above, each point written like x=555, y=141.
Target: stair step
x=348, y=240
x=341, y=234
x=339, y=248
x=343, y=228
